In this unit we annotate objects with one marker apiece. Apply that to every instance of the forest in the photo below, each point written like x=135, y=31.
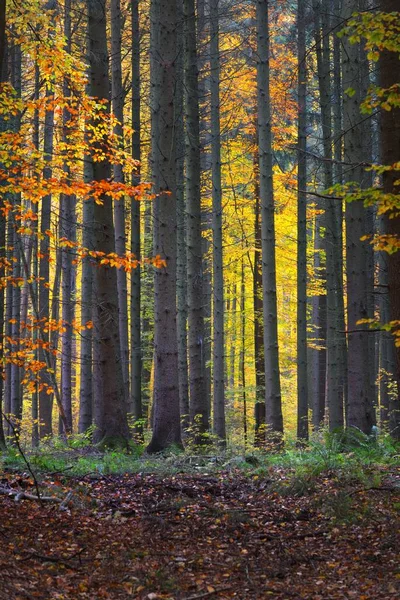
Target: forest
x=199, y=299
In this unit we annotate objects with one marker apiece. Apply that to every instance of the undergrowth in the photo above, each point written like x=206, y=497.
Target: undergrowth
x=349, y=456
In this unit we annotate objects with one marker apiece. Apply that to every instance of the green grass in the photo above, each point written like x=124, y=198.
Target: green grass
x=350, y=456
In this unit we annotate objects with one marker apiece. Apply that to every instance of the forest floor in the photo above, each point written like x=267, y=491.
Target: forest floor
x=218, y=534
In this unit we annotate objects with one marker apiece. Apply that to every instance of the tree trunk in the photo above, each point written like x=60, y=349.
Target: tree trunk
x=108, y=385
x=259, y=409
x=181, y=265
x=166, y=422
x=334, y=389
x=119, y=205
x=199, y=413
x=390, y=144
x=302, y=386
x=2, y=222
x=218, y=284
x=360, y=409
x=273, y=404
x=136, y=338
x=67, y=230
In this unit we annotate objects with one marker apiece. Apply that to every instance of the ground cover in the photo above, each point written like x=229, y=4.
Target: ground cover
x=203, y=527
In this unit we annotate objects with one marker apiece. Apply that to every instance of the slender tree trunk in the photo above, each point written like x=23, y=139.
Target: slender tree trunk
x=2, y=223
x=108, y=385
x=258, y=315
x=334, y=389
x=360, y=410
x=390, y=143
x=181, y=265
x=67, y=230
x=302, y=387
x=15, y=388
x=119, y=205
x=136, y=338
x=199, y=413
x=35, y=266
x=273, y=403
x=218, y=284
x=45, y=400
x=338, y=178
x=86, y=347
x=86, y=338
x=243, y=349
x=166, y=422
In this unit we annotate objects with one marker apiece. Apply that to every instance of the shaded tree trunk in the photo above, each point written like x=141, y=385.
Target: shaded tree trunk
x=108, y=385
x=273, y=403
x=259, y=408
x=390, y=154
x=136, y=338
x=166, y=421
x=119, y=205
x=181, y=265
x=199, y=413
x=302, y=385
x=360, y=409
x=218, y=286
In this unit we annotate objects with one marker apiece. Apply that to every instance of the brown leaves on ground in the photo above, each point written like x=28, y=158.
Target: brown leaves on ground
x=190, y=537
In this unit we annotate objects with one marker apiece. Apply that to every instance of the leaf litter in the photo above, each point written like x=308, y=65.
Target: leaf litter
x=192, y=536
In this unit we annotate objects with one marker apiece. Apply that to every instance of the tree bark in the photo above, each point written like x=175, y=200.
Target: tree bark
x=273, y=403
x=166, y=421
x=390, y=154
x=136, y=337
x=302, y=385
x=199, y=413
x=219, y=426
x=108, y=385
x=360, y=409
x=119, y=205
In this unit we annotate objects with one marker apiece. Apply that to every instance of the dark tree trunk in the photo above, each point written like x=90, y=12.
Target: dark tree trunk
x=108, y=386
x=166, y=420
x=390, y=154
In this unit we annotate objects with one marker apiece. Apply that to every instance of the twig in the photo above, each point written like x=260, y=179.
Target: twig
x=19, y=495
x=26, y=461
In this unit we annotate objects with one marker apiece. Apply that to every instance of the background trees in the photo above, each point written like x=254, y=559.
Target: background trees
x=247, y=121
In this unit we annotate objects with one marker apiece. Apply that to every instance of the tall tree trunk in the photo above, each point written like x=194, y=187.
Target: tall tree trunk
x=15, y=388
x=199, y=413
x=360, y=409
x=273, y=403
x=218, y=283
x=86, y=338
x=166, y=422
x=119, y=205
x=2, y=222
x=243, y=348
x=67, y=230
x=338, y=178
x=302, y=386
x=258, y=314
x=45, y=400
x=108, y=385
x=136, y=338
x=181, y=265
x=334, y=399
x=390, y=154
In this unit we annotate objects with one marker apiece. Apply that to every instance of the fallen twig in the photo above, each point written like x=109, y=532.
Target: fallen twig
x=20, y=495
